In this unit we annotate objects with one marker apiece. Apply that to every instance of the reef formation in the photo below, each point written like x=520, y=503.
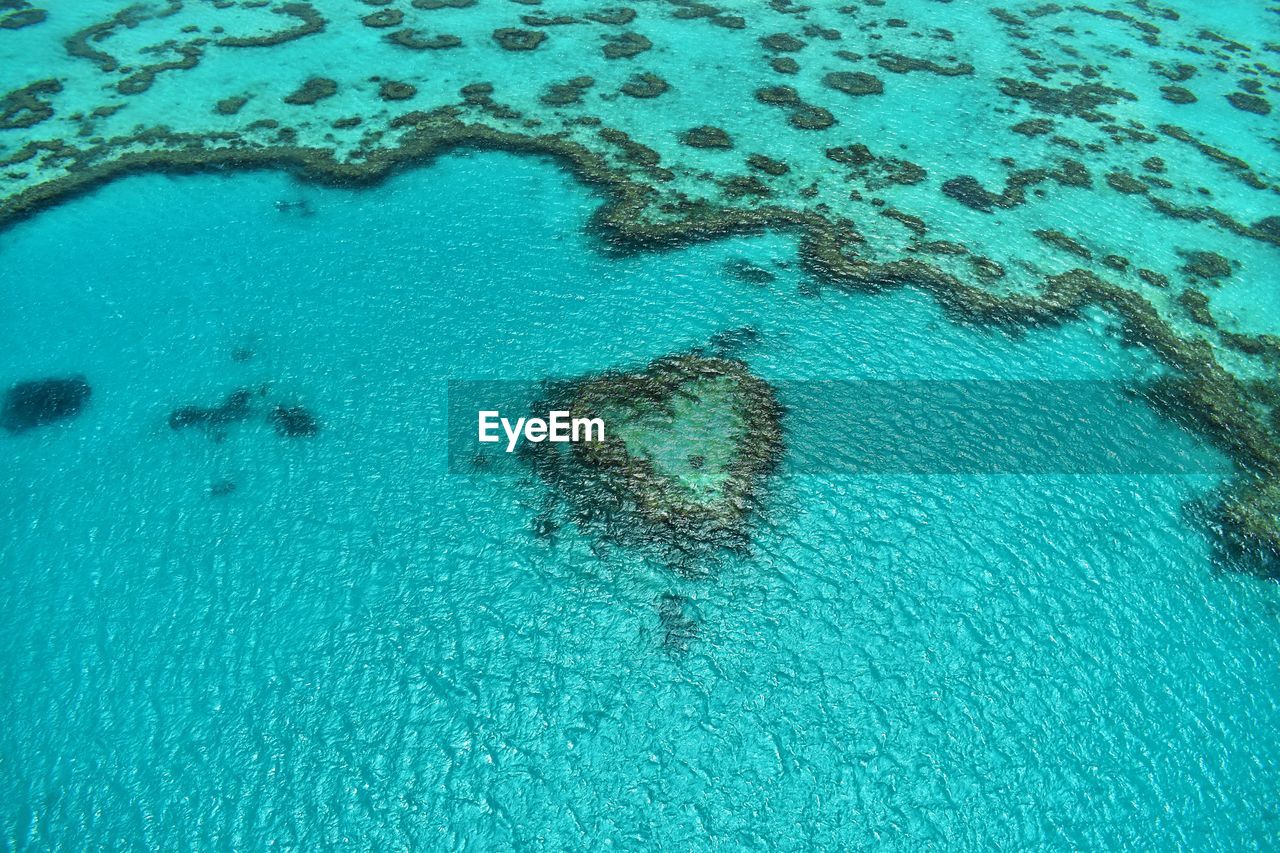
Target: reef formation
x=41, y=402
x=689, y=442
x=239, y=406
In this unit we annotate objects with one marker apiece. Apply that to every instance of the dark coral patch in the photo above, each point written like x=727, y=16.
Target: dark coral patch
x=778, y=96
x=311, y=22
x=315, y=89
x=413, y=40
x=809, y=117
x=548, y=20
x=1033, y=127
x=768, y=165
x=706, y=136
x=1177, y=95
x=564, y=94
x=899, y=64
x=782, y=43
x=221, y=488
x=1082, y=100
x=383, y=18
x=646, y=85
x=235, y=408
x=747, y=272
x=230, y=106
x=392, y=90
x=510, y=38
x=1255, y=104
x=1207, y=266
x=679, y=627
x=293, y=422
x=967, y=190
x=854, y=83
x=615, y=16
x=40, y=402
x=688, y=445
x=23, y=18
x=24, y=107
x=625, y=46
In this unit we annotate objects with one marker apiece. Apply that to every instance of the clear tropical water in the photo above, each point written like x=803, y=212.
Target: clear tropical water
x=357, y=648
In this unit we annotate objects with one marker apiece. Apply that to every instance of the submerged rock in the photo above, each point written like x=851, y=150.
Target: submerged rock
x=40, y=402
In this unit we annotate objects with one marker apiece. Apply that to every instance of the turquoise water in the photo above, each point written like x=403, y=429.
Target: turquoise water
x=357, y=648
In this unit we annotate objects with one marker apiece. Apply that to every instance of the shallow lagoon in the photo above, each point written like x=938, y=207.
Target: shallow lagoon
x=357, y=647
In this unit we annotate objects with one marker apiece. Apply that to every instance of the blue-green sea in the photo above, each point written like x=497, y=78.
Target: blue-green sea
x=244, y=641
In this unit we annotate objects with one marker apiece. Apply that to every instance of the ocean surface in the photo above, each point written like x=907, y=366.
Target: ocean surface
x=241, y=640
x=1018, y=631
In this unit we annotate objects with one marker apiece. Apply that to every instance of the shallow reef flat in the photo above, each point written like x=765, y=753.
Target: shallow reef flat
x=1021, y=162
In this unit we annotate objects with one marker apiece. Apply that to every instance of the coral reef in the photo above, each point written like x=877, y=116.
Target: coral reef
x=646, y=85
x=854, y=83
x=293, y=422
x=41, y=402
x=1248, y=103
x=310, y=22
x=706, y=136
x=413, y=40
x=625, y=45
x=23, y=17
x=511, y=38
x=569, y=92
x=393, y=90
x=313, y=90
x=688, y=442
x=230, y=106
x=24, y=107
x=236, y=407
x=1206, y=266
